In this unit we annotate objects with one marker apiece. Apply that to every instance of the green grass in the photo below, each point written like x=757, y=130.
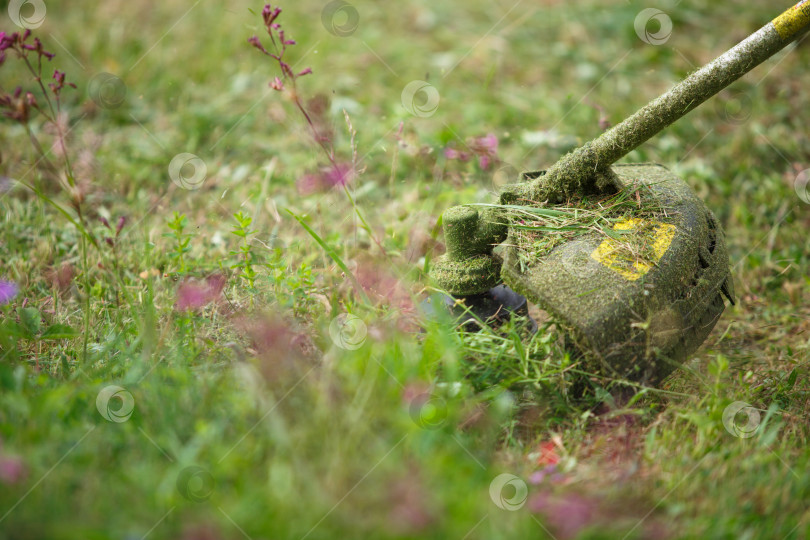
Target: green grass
x=270, y=413
x=542, y=229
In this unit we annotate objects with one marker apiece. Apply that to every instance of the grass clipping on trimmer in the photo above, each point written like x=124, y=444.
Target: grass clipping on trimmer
x=629, y=219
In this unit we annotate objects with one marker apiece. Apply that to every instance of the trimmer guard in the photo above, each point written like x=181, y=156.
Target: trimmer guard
x=638, y=323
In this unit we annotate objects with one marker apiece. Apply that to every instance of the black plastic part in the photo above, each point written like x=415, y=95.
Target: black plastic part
x=493, y=307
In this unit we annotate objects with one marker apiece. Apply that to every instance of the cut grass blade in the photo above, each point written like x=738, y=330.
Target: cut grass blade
x=329, y=250
x=538, y=230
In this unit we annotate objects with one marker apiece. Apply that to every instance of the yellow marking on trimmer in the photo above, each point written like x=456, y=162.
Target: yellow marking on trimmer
x=794, y=19
x=609, y=252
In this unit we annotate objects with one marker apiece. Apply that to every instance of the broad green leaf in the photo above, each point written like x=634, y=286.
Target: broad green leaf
x=59, y=331
x=10, y=328
x=31, y=320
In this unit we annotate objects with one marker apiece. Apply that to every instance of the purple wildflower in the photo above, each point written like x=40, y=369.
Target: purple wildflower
x=280, y=43
x=37, y=47
x=452, y=153
x=57, y=87
x=485, y=148
x=567, y=514
x=8, y=290
x=16, y=106
x=12, y=469
x=254, y=40
x=538, y=477
x=269, y=14
x=194, y=295
x=5, y=41
x=337, y=175
x=276, y=84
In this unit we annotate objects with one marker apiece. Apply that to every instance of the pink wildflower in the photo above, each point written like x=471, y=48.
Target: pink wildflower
x=485, y=148
x=194, y=295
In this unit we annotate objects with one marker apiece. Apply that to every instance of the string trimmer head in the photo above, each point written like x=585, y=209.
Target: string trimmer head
x=626, y=258
x=636, y=303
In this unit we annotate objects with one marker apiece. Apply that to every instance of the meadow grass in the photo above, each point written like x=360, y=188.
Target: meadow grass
x=247, y=358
